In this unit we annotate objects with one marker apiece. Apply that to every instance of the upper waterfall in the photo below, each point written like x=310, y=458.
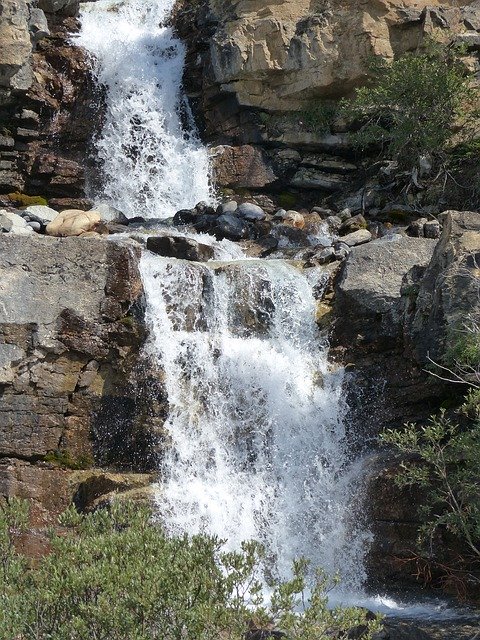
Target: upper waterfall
x=152, y=161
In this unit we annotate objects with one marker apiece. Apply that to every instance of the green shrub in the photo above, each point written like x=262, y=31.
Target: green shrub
x=445, y=464
x=471, y=406
x=464, y=348
x=320, y=117
x=114, y=575
x=415, y=106
x=13, y=567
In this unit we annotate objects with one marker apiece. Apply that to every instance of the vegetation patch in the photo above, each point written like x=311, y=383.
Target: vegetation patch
x=65, y=459
x=319, y=118
x=114, y=575
x=22, y=200
x=420, y=105
x=442, y=458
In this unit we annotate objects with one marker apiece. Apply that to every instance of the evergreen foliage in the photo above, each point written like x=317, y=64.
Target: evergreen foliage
x=421, y=104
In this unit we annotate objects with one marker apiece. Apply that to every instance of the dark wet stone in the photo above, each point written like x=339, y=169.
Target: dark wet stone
x=181, y=248
x=230, y=227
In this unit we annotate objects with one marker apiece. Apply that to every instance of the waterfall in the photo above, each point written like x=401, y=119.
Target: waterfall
x=152, y=165
x=258, y=447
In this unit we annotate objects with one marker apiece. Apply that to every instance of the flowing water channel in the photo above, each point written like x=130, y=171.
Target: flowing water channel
x=255, y=414
x=151, y=160
x=258, y=446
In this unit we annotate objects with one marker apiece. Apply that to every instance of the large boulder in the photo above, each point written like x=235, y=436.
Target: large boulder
x=386, y=386
x=369, y=292
x=243, y=166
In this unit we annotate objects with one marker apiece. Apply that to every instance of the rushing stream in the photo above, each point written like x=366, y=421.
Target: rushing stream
x=258, y=448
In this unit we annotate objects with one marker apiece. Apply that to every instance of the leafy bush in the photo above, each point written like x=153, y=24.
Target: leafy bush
x=319, y=118
x=415, y=106
x=446, y=465
x=114, y=575
x=464, y=348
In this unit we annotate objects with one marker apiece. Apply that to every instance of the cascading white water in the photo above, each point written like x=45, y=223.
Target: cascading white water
x=152, y=165
x=258, y=446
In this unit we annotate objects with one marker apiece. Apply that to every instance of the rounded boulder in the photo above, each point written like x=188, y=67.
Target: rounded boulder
x=73, y=222
x=251, y=212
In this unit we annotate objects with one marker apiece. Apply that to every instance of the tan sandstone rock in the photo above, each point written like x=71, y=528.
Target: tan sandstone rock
x=15, y=45
x=281, y=54
x=73, y=222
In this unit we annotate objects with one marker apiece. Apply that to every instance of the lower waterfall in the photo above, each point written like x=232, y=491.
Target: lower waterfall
x=257, y=445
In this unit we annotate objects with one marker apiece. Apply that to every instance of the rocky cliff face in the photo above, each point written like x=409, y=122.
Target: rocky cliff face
x=399, y=303
x=75, y=391
x=258, y=71
x=279, y=55
x=47, y=103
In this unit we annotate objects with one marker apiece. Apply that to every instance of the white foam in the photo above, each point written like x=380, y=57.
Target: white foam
x=258, y=447
x=152, y=161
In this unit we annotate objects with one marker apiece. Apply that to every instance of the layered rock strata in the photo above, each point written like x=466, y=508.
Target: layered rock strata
x=262, y=75
x=74, y=389
x=48, y=106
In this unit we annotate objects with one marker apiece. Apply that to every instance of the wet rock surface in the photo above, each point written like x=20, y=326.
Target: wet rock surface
x=180, y=248
x=74, y=391
x=397, y=304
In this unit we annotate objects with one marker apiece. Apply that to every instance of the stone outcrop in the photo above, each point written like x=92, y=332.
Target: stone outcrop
x=48, y=106
x=74, y=389
x=387, y=385
x=397, y=304
x=16, y=42
x=262, y=76
x=279, y=56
